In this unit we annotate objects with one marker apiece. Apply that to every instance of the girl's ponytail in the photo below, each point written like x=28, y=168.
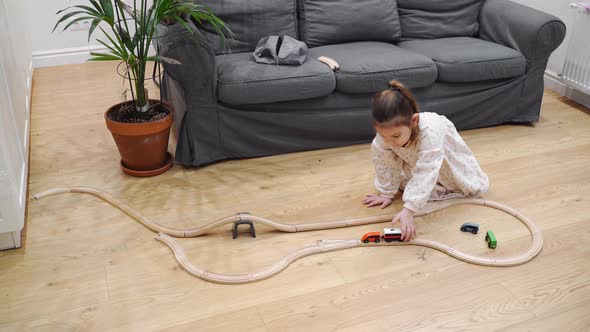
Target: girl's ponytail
x=398, y=86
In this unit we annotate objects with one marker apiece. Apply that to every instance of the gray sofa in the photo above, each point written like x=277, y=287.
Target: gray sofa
x=479, y=63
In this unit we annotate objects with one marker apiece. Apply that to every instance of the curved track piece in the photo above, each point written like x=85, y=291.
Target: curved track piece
x=255, y=276
x=165, y=235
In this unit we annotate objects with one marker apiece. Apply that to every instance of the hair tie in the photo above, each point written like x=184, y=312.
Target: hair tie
x=394, y=88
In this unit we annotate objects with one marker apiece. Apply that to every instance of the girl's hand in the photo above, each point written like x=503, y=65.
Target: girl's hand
x=374, y=200
x=406, y=219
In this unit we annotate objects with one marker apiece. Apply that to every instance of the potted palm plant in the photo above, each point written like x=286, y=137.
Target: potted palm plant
x=140, y=126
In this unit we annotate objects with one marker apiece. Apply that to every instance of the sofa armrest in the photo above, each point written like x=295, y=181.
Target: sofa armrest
x=533, y=33
x=196, y=72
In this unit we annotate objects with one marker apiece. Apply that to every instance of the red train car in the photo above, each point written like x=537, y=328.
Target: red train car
x=371, y=237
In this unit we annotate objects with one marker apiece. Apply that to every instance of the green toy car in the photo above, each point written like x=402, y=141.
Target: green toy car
x=491, y=240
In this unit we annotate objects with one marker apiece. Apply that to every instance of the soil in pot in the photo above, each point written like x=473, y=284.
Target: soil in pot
x=127, y=113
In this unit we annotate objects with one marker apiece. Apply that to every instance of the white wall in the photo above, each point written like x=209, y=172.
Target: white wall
x=58, y=48
x=15, y=93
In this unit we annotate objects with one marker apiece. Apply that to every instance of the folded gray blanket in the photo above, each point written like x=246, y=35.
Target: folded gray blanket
x=282, y=50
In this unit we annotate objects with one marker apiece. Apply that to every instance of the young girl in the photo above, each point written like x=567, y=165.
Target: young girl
x=421, y=154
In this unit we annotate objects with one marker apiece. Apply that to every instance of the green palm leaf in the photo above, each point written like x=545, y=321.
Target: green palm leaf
x=76, y=20
x=107, y=8
x=103, y=57
x=95, y=23
x=132, y=45
x=66, y=16
x=97, y=6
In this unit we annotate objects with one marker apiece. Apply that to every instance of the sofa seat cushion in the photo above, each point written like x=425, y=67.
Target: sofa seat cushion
x=367, y=67
x=465, y=59
x=240, y=80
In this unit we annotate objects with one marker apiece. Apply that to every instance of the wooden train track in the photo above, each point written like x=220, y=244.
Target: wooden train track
x=166, y=235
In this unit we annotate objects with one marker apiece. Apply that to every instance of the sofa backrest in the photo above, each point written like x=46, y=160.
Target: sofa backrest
x=422, y=19
x=251, y=20
x=325, y=22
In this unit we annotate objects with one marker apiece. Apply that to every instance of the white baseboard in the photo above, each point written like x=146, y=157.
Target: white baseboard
x=69, y=56
x=553, y=82
x=16, y=238
x=65, y=56
x=10, y=240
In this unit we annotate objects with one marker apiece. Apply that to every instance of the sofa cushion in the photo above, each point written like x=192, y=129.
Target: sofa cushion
x=367, y=67
x=438, y=18
x=464, y=59
x=240, y=80
x=251, y=20
x=326, y=22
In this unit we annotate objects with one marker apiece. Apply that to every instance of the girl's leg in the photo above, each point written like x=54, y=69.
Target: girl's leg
x=440, y=193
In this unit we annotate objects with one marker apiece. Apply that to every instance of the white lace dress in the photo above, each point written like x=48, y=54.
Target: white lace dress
x=438, y=166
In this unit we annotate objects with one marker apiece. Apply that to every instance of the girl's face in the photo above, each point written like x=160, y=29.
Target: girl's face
x=397, y=135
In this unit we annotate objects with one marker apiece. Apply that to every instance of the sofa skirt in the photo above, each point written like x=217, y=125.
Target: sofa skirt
x=208, y=133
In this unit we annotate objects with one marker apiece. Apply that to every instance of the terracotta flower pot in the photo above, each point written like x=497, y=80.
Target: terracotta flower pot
x=143, y=146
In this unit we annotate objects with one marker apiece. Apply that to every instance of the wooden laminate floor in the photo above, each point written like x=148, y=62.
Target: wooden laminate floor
x=86, y=266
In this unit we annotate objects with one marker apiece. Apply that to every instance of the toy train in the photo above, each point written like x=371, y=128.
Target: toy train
x=389, y=235
x=491, y=240
x=395, y=234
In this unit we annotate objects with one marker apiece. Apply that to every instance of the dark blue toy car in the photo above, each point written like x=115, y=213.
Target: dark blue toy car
x=470, y=227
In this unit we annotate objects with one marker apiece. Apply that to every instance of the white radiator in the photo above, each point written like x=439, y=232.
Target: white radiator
x=576, y=68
